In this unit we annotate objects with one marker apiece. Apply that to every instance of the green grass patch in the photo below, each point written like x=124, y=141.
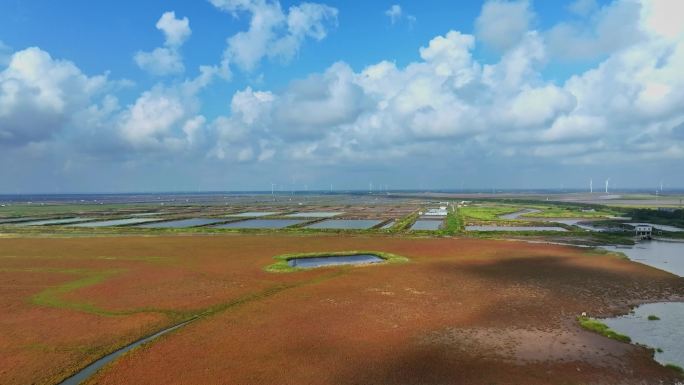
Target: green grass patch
x=676, y=368
x=653, y=317
x=282, y=266
x=487, y=213
x=602, y=329
x=52, y=296
x=571, y=212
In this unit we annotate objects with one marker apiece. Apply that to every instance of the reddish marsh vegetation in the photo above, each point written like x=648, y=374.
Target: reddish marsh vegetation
x=461, y=311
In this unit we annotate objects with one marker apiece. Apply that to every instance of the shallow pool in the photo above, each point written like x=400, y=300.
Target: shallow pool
x=14, y=220
x=426, y=225
x=515, y=215
x=45, y=222
x=181, y=223
x=584, y=224
x=345, y=224
x=388, y=225
x=260, y=224
x=315, y=214
x=253, y=214
x=358, y=259
x=115, y=222
x=513, y=228
x=664, y=255
x=666, y=333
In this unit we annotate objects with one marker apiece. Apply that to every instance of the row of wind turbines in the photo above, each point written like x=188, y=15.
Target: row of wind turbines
x=591, y=186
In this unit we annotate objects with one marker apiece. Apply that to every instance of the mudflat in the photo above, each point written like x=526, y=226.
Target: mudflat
x=460, y=311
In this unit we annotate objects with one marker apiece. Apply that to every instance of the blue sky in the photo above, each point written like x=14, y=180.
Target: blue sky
x=109, y=96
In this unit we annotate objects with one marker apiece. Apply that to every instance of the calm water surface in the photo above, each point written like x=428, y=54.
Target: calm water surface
x=426, y=225
x=253, y=214
x=260, y=224
x=315, y=214
x=513, y=228
x=115, y=222
x=666, y=334
x=664, y=255
x=53, y=222
x=334, y=260
x=348, y=224
x=181, y=223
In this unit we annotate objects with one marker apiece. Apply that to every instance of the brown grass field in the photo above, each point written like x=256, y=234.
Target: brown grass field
x=462, y=311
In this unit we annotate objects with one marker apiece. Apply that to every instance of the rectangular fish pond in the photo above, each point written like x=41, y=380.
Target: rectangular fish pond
x=15, y=220
x=261, y=224
x=181, y=223
x=345, y=224
x=115, y=222
x=426, y=225
x=388, y=225
x=514, y=228
x=253, y=214
x=315, y=214
x=311, y=262
x=46, y=222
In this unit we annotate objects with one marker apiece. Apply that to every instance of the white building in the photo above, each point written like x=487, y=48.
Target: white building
x=643, y=231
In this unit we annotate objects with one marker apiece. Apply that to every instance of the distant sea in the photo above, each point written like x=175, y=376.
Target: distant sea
x=216, y=196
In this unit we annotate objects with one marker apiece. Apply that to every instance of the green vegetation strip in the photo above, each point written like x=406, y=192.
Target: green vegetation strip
x=404, y=223
x=283, y=267
x=53, y=296
x=453, y=224
x=602, y=329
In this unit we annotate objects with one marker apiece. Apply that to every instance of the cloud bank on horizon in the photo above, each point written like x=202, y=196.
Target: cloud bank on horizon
x=449, y=107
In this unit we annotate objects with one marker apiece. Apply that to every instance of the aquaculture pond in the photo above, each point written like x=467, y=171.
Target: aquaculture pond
x=147, y=214
x=15, y=220
x=513, y=228
x=664, y=255
x=663, y=332
x=387, y=225
x=181, y=223
x=115, y=222
x=46, y=222
x=357, y=259
x=260, y=224
x=515, y=215
x=315, y=214
x=581, y=223
x=345, y=224
x=253, y=214
x=426, y=225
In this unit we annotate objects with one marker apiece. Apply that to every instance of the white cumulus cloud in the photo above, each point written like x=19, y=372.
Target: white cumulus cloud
x=40, y=96
x=273, y=32
x=166, y=60
x=503, y=23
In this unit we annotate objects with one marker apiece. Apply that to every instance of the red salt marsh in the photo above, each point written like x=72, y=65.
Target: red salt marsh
x=460, y=311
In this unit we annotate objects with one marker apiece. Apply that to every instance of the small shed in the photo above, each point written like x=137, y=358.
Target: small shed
x=643, y=231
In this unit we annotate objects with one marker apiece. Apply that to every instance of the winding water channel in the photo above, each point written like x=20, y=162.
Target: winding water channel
x=91, y=369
